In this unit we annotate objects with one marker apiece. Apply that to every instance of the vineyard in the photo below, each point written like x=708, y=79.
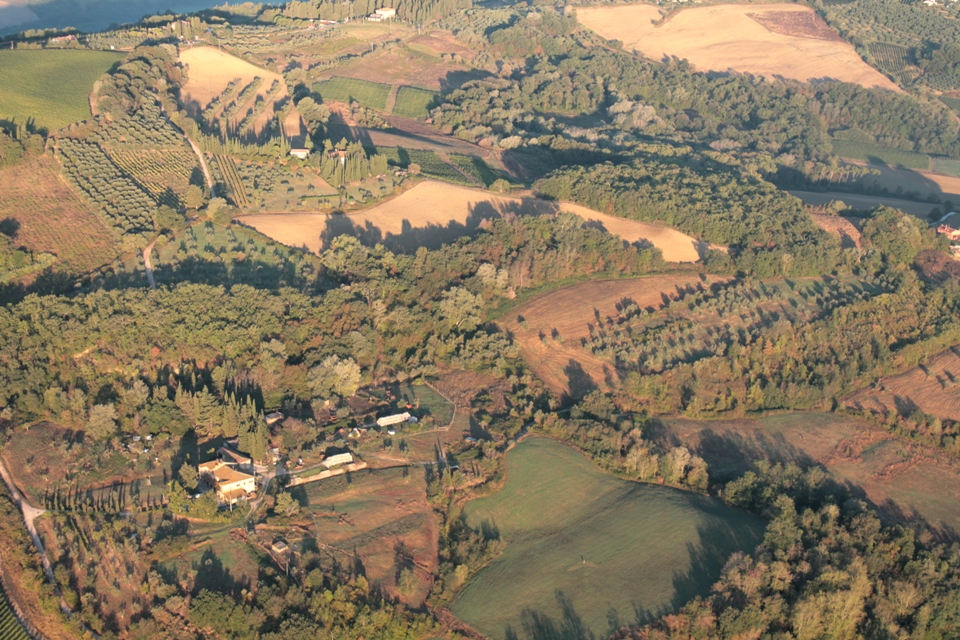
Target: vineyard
x=164, y=174
x=414, y=102
x=475, y=167
x=891, y=58
x=231, y=179
x=10, y=627
x=233, y=110
x=147, y=128
x=430, y=163
x=369, y=94
x=126, y=207
x=706, y=323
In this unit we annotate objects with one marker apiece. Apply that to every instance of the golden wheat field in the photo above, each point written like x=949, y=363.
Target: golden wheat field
x=210, y=70
x=433, y=212
x=771, y=40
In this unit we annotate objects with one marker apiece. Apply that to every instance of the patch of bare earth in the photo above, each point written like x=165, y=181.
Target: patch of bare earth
x=938, y=267
x=799, y=24
x=844, y=228
x=549, y=329
x=933, y=387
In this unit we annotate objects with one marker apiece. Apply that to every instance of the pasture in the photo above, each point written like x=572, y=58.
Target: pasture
x=577, y=539
x=911, y=183
x=875, y=154
x=53, y=218
x=369, y=94
x=210, y=73
x=762, y=39
x=901, y=478
x=52, y=87
x=433, y=213
x=566, y=367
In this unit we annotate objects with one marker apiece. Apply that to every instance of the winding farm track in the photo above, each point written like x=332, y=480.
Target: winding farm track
x=203, y=165
x=30, y=514
x=148, y=264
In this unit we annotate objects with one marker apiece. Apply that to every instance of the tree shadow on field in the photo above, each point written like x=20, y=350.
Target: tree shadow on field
x=538, y=625
x=724, y=533
x=579, y=382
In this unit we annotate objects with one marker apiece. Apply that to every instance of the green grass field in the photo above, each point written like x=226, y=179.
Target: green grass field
x=875, y=154
x=413, y=102
x=588, y=551
x=369, y=94
x=52, y=87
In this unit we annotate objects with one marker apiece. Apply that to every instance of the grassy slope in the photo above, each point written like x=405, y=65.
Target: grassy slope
x=53, y=87
x=585, y=548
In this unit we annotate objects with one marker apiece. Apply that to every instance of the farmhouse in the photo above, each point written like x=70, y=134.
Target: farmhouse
x=338, y=458
x=950, y=232
x=386, y=12
x=397, y=418
x=231, y=485
x=275, y=417
x=303, y=154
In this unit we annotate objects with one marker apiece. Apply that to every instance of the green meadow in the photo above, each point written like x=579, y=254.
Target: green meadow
x=52, y=87
x=587, y=552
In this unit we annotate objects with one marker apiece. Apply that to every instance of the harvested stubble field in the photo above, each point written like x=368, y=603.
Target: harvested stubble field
x=933, y=387
x=380, y=516
x=762, y=39
x=53, y=218
x=904, y=479
x=577, y=539
x=565, y=366
x=433, y=213
x=209, y=72
x=52, y=87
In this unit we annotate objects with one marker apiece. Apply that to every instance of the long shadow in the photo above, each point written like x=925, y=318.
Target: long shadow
x=538, y=625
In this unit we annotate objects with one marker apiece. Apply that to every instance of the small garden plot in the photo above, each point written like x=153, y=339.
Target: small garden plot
x=226, y=565
x=58, y=468
x=425, y=402
x=369, y=94
x=414, y=102
x=383, y=517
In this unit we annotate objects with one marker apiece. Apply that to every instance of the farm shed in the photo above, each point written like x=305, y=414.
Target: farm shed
x=339, y=458
x=303, y=154
x=394, y=419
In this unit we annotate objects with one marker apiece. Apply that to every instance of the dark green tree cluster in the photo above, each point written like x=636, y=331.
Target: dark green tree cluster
x=827, y=568
x=136, y=79
x=349, y=162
